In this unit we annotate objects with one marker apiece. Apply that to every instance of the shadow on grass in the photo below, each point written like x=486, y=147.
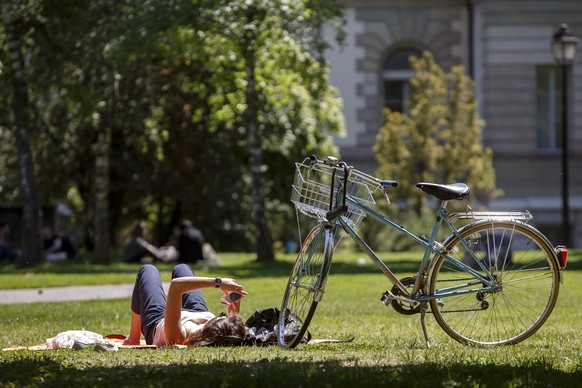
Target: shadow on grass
x=284, y=268
x=243, y=270
x=279, y=372
x=346, y=264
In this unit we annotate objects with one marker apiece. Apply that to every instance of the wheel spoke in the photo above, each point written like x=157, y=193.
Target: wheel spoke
x=305, y=281
x=524, y=292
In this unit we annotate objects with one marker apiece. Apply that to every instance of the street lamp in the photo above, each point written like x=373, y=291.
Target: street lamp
x=564, y=47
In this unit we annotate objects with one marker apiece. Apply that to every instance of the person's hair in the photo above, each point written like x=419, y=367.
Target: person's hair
x=185, y=224
x=139, y=229
x=217, y=328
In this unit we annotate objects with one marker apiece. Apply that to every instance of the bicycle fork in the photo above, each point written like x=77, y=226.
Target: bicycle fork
x=318, y=288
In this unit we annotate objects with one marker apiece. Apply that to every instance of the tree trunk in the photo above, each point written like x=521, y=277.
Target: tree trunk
x=102, y=235
x=32, y=250
x=264, y=245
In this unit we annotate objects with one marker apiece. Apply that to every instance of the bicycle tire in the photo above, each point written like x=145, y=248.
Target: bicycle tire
x=305, y=286
x=525, y=262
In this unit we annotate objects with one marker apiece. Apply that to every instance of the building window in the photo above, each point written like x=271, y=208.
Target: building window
x=396, y=73
x=549, y=105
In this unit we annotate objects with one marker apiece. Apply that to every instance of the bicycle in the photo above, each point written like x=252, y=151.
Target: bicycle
x=493, y=281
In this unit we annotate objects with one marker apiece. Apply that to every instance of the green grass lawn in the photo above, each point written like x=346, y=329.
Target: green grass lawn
x=388, y=349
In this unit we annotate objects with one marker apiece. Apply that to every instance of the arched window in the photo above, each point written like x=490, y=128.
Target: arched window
x=396, y=73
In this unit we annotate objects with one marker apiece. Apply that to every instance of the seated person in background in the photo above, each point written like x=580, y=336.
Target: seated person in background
x=190, y=243
x=56, y=247
x=7, y=254
x=137, y=248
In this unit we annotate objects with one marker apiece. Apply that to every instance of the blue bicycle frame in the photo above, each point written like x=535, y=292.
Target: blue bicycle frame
x=487, y=282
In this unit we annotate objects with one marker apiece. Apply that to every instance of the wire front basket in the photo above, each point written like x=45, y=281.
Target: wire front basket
x=312, y=188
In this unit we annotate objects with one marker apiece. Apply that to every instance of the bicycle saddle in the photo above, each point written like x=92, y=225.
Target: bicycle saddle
x=445, y=192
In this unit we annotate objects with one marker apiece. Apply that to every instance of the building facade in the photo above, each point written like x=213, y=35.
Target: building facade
x=505, y=45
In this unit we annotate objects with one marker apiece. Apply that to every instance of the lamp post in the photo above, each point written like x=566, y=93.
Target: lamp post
x=564, y=47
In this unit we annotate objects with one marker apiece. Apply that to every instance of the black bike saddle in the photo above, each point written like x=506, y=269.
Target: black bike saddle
x=445, y=192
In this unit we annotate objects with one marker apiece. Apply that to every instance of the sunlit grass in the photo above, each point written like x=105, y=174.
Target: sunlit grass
x=388, y=348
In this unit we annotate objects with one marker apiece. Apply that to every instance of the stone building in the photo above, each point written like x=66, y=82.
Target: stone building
x=505, y=45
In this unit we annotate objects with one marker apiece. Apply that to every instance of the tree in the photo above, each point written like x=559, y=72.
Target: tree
x=439, y=140
x=14, y=21
x=264, y=242
x=167, y=86
x=234, y=88
x=271, y=43
x=97, y=79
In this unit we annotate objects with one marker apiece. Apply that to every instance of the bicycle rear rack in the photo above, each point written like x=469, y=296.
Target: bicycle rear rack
x=493, y=216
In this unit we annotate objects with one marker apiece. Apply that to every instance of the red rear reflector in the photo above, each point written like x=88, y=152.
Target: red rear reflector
x=562, y=254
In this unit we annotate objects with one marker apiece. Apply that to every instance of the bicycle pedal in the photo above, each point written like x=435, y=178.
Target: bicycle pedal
x=386, y=298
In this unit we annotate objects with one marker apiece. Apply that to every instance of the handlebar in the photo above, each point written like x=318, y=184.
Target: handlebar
x=335, y=163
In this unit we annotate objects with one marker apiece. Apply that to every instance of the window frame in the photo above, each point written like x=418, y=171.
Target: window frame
x=392, y=72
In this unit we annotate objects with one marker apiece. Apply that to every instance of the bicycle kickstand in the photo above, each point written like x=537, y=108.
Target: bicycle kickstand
x=423, y=309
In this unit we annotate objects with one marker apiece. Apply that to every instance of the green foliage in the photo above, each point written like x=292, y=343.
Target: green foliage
x=439, y=140
x=167, y=78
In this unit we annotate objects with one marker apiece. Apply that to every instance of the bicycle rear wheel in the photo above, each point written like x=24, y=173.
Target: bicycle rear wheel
x=524, y=265
x=305, y=286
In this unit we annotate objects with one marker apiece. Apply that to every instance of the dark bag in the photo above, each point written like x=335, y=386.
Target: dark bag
x=262, y=328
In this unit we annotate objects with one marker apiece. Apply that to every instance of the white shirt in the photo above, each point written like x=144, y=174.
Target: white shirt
x=187, y=319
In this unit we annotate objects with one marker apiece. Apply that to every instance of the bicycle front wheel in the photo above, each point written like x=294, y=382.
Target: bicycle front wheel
x=305, y=286
x=524, y=266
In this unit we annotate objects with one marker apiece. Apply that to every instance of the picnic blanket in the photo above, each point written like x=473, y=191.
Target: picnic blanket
x=83, y=339
x=115, y=342
x=261, y=328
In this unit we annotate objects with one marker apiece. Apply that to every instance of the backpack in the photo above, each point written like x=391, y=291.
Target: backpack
x=262, y=329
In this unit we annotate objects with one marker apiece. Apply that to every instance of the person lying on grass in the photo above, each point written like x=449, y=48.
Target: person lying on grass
x=184, y=318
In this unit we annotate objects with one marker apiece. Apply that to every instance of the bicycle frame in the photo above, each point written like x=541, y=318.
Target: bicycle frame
x=431, y=245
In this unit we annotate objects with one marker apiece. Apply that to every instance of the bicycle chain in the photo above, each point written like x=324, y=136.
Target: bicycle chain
x=454, y=280
x=407, y=310
x=456, y=311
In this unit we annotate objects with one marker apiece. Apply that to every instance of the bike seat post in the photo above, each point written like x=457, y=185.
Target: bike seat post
x=430, y=243
x=441, y=213
x=443, y=207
